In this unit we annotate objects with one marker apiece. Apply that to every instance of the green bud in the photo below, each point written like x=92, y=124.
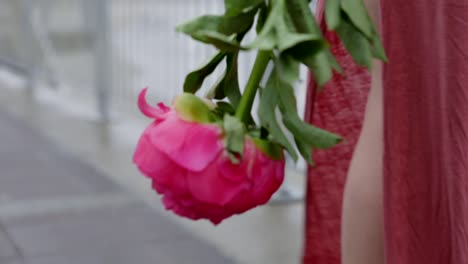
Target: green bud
x=193, y=109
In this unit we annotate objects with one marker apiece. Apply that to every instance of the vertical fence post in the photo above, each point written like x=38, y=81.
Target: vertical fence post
x=102, y=56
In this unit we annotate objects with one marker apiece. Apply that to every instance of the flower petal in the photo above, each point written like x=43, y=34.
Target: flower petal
x=191, y=145
x=149, y=159
x=146, y=157
x=268, y=177
x=173, y=203
x=148, y=110
x=170, y=180
x=210, y=187
x=230, y=171
x=165, y=173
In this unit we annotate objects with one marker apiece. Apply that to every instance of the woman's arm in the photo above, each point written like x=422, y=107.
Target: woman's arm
x=362, y=222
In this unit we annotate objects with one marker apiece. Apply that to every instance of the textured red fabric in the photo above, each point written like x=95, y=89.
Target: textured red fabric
x=426, y=131
x=426, y=137
x=338, y=108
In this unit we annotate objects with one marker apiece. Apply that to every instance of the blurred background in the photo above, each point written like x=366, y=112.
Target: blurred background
x=70, y=71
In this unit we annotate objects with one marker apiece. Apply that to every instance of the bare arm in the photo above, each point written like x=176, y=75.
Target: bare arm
x=362, y=224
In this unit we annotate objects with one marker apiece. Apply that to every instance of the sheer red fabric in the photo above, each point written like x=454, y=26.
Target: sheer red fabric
x=426, y=131
x=426, y=137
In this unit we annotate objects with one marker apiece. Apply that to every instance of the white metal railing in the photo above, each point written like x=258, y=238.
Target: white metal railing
x=108, y=50
x=23, y=47
x=148, y=51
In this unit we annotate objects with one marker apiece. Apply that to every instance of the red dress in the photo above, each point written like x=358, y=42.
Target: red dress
x=426, y=137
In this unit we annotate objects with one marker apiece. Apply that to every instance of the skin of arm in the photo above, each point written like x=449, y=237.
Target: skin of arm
x=362, y=223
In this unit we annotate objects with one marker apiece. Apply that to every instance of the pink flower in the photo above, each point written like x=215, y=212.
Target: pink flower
x=190, y=168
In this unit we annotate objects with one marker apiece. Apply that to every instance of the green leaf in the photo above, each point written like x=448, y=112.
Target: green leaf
x=194, y=80
x=278, y=31
x=331, y=59
x=309, y=134
x=356, y=43
x=356, y=29
x=272, y=150
x=317, y=58
x=333, y=13
x=217, y=91
x=357, y=16
x=231, y=83
x=234, y=135
x=221, y=24
x=321, y=66
x=357, y=13
x=224, y=108
x=305, y=150
x=289, y=68
x=262, y=16
x=281, y=40
x=235, y=7
x=266, y=40
x=193, y=109
x=237, y=24
x=377, y=48
x=202, y=23
x=302, y=17
x=279, y=92
x=218, y=30
x=304, y=132
x=228, y=85
x=288, y=40
x=267, y=115
x=219, y=40
x=314, y=54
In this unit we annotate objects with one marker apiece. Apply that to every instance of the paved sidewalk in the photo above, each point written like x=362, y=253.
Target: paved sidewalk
x=55, y=209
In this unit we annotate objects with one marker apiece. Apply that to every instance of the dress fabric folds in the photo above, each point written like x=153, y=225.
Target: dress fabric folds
x=426, y=137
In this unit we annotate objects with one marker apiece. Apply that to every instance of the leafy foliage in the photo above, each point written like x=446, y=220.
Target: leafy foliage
x=286, y=29
x=279, y=93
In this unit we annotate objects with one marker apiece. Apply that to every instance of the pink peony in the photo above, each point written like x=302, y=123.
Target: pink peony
x=189, y=166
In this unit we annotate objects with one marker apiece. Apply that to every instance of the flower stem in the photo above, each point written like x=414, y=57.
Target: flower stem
x=246, y=102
